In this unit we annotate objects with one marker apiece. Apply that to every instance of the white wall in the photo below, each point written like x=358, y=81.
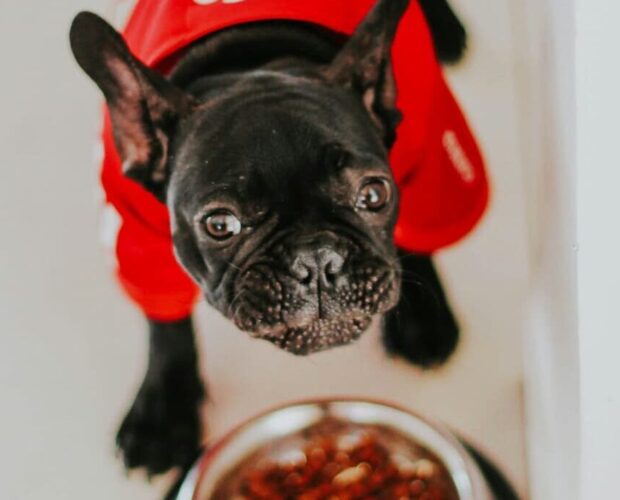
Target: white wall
x=598, y=213
x=551, y=342
x=572, y=349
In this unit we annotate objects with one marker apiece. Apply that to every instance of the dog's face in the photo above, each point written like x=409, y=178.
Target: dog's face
x=281, y=199
x=283, y=208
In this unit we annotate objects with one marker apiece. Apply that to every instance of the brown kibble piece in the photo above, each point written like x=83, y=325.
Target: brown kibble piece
x=349, y=476
x=424, y=468
x=417, y=487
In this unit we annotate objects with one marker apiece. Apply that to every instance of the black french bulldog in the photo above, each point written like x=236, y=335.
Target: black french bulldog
x=288, y=236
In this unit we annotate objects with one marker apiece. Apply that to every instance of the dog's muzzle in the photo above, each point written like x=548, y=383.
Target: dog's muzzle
x=313, y=295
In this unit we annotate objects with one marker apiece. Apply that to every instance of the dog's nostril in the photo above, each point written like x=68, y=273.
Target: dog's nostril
x=302, y=270
x=331, y=265
x=306, y=276
x=330, y=277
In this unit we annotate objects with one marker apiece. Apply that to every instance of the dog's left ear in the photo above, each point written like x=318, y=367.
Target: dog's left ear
x=144, y=106
x=364, y=65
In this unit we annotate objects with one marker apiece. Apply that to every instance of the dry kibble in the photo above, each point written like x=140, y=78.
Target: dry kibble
x=338, y=462
x=365, y=467
x=317, y=456
x=417, y=487
x=407, y=469
x=349, y=476
x=331, y=469
x=424, y=469
x=342, y=457
x=294, y=480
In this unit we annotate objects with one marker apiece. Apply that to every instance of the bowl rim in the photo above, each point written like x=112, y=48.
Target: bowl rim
x=463, y=470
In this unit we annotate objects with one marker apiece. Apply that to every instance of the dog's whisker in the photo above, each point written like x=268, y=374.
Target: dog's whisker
x=412, y=281
x=233, y=301
x=230, y=264
x=404, y=256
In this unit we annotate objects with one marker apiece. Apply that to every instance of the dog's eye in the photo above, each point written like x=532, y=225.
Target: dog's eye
x=222, y=224
x=373, y=195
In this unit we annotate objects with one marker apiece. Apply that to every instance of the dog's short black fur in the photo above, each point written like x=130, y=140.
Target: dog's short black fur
x=269, y=145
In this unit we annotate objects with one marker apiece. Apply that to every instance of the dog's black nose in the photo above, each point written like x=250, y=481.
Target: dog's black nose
x=314, y=266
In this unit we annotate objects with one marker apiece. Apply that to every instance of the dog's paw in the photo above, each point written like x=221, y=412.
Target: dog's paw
x=424, y=336
x=162, y=430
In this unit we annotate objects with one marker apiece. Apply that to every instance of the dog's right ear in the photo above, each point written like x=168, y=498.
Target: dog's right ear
x=144, y=106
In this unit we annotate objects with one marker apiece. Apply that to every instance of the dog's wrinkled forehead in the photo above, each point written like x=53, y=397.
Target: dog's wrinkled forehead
x=273, y=138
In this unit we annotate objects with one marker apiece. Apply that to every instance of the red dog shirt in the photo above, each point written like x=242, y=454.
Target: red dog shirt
x=435, y=159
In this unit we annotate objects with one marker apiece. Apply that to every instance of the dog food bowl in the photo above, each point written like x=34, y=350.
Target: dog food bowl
x=290, y=436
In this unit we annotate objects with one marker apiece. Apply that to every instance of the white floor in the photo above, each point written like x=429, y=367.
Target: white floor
x=72, y=351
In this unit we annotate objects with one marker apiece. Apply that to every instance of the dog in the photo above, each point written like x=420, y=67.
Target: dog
x=268, y=143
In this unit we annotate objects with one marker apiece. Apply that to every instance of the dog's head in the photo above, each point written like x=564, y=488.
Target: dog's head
x=281, y=197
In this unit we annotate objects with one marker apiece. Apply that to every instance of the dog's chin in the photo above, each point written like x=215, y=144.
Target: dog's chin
x=319, y=335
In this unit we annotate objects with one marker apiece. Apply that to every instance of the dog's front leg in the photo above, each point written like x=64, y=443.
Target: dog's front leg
x=162, y=429
x=421, y=328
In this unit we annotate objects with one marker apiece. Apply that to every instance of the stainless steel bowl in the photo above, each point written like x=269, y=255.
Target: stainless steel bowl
x=285, y=421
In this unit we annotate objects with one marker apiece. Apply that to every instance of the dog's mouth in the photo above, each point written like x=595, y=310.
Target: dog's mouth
x=321, y=334
x=268, y=307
